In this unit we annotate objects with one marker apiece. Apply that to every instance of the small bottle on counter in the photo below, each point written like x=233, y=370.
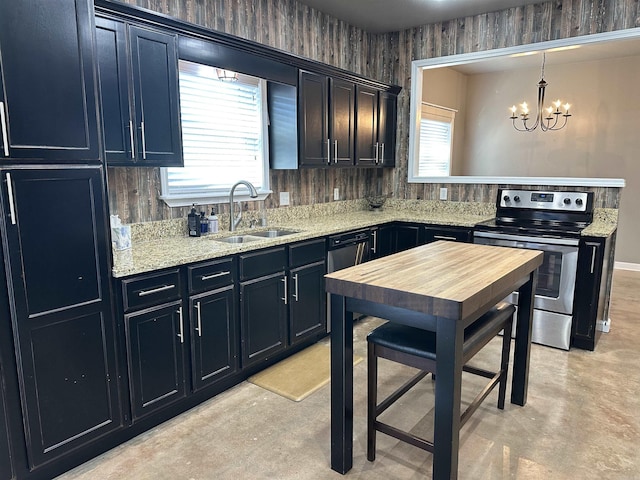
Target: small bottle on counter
x=204, y=223
x=193, y=222
x=213, y=222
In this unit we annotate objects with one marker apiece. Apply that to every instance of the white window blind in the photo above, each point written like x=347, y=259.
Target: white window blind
x=223, y=135
x=436, y=135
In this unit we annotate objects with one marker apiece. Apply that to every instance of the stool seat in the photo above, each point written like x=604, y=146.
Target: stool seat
x=417, y=348
x=422, y=343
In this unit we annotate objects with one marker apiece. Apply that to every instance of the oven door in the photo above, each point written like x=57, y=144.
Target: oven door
x=554, y=289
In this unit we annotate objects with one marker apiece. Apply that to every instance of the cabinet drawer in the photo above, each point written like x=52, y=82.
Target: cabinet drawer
x=151, y=289
x=211, y=275
x=258, y=264
x=307, y=252
x=457, y=234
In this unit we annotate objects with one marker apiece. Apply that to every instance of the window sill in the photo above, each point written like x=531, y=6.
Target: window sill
x=188, y=200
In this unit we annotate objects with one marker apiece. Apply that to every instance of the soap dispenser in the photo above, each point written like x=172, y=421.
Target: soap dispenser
x=213, y=222
x=193, y=222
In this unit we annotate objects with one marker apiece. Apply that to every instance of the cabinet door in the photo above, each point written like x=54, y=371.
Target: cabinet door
x=263, y=317
x=307, y=302
x=387, y=119
x=213, y=336
x=313, y=116
x=154, y=63
x=342, y=119
x=48, y=94
x=588, y=283
x=6, y=468
x=407, y=236
x=61, y=308
x=117, y=119
x=155, y=352
x=386, y=241
x=367, y=145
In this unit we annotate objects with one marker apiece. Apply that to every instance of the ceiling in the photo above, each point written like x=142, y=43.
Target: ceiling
x=380, y=16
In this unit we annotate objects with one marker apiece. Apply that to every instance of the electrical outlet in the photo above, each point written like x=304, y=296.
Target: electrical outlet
x=336, y=193
x=443, y=194
x=284, y=199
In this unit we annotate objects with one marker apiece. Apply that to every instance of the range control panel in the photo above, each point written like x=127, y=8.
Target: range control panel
x=536, y=199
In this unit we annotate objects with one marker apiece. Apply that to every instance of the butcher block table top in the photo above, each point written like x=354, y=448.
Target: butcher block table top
x=447, y=279
x=441, y=287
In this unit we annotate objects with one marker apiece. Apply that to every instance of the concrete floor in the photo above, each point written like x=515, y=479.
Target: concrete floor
x=581, y=422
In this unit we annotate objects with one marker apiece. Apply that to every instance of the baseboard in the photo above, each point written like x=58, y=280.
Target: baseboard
x=627, y=266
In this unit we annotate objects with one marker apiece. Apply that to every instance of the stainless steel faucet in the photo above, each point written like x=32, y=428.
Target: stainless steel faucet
x=233, y=222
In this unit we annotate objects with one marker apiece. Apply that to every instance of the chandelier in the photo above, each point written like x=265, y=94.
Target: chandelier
x=546, y=118
x=226, y=75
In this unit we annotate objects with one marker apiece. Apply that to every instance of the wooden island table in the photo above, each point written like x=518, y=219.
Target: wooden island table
x=443, y=287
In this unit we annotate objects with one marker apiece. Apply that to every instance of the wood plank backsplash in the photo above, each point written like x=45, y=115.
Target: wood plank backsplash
x=301, y=30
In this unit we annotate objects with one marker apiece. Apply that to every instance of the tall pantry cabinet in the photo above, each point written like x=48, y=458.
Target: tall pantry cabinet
x=59, y=374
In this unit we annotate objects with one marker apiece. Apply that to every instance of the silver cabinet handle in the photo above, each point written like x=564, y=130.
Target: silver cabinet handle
x=133, y=154
x=382, y=153
x=144, y=293
x=374, y=234
x=5, y=132
x=181, y=334
x=12, y=207
x=209, y=277
x=593, y=258
x=199, y=317
x=144, y=143
x=295, y=290
x=444, y=237
x=328, y=151
x=335, y=151
x=376, y=149
x=286, y=293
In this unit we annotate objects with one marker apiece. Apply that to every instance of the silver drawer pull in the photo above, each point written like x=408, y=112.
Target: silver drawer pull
x=143, y=293
x=133, y=154
x=377, y=159
x=295, y=290
x=5, y=132
x=443, y=237
x=12, y=208
x=286, y=293
x=593, y=258
x=181, y=334
x=382, y=153
x=328, y=151
x=215, y=275
x=335, y=151
x=144, y=142
x=199, y=317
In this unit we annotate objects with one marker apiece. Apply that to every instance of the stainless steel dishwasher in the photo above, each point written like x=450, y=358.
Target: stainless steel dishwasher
x=346, y=250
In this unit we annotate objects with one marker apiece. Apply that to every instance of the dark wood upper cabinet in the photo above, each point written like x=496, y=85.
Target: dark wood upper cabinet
x=138, y=69
x=376, y=113
x=48, y=87
x=342, y=121
x=313, y=117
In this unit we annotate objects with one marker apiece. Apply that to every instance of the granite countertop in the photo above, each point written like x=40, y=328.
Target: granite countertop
x=153, y=250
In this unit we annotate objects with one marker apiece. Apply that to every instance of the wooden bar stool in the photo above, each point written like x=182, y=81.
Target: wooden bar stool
x=417, y=348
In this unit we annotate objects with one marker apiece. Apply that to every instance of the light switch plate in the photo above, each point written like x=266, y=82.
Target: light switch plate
x=336, y=193
x=443, y=194
x=284, y=199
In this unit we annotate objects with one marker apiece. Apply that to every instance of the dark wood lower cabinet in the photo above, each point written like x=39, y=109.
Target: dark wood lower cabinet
x=156, y=358
x=59, y=292
x=307, y=302
x=263, y=317
x=214, y=336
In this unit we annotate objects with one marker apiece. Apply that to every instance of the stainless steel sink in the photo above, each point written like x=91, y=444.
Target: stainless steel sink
x=239, y=239
x=273, y=233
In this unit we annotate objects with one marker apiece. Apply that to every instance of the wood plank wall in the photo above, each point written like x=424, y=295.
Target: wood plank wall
x=301, y=30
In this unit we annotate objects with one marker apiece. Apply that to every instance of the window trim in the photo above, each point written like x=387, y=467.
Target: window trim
x=222, y=195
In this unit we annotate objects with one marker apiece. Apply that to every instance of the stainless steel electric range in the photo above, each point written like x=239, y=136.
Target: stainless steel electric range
x=552, y=222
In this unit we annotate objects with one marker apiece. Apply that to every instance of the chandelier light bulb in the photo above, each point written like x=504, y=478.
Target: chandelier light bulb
x=566, y=107
x=525, y=108
x=513, y=110
x=557, y=104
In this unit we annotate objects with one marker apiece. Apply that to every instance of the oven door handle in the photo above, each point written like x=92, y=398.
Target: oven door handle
x=570, y=242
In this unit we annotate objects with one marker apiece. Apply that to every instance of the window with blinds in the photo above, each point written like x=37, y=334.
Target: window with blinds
x=224, y=136
x=436, y=135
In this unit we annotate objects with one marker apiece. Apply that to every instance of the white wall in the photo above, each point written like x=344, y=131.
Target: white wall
x=602, y=138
